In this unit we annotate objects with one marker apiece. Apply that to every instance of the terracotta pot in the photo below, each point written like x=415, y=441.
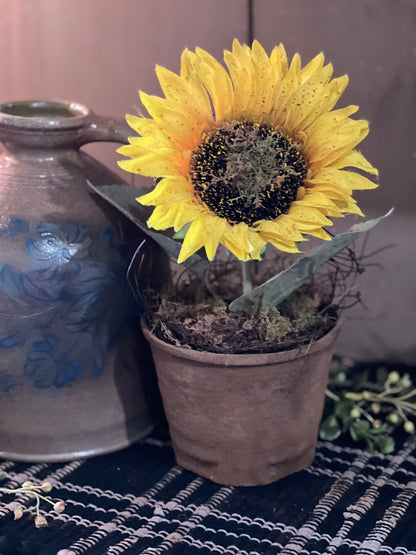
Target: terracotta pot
x=243, y=420
x=76, y=377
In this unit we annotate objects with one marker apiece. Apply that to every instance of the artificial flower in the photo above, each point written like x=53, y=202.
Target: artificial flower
x=249, y=156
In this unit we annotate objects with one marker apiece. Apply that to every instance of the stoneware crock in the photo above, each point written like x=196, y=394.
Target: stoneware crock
x=76, y=376
x=243, y=420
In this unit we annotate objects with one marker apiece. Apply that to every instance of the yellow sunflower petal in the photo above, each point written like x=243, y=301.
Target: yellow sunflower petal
x=332, y=191
x=241, y=70
x=187, y=98
x=171, y=121
x=168, y=191
x=309, y=100
x=157, y=142
x=131, y=151
x=218, y=84
x=287, y=87
x=355, y=159
x=280, y=244
x=346, y=179
x=283, y=228
x=257, y=243
x=336, y=144
x=278, y=58
x=142, y=126
x=235, y=239
x=188, y=211
x=155, y=165
x=282, y=233
x=327, y=121
x=301, y=214
x=350, y=207
x=319, y=199
x=320, y=234
x=205, y=231
x=265, y=78
x=163, y=216
x=312, y=67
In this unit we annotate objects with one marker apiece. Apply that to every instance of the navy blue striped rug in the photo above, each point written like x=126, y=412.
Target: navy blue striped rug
x=138, y=501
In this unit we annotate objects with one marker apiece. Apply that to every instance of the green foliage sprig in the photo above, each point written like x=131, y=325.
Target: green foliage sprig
x=368, y=407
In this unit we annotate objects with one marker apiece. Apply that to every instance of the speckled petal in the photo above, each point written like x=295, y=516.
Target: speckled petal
x=235, y=239
x=174, y=123
x=167, y=191
x=355, y=159
x=311, y=68
x=241, y=69
x=188, y=211
x=218, y=84
x=283, y=227
x=287, y=88
x=346, y=179
x=278, y=58
x=309, y=100
x=187, y=98
x=155, y=165
x=205, y=231
x=163, y=216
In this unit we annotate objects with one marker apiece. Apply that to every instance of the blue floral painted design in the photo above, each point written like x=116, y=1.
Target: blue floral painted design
x=72, y=302
x=8, y=382
x=15, y=227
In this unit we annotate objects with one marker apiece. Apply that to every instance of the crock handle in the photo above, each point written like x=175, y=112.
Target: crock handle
x=101, y=128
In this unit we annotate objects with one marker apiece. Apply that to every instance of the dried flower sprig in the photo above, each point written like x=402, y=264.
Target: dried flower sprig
x=34, y=490
x=369, y=406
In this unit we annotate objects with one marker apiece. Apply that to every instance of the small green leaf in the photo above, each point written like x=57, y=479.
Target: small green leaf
x=347, y=423
x=386, y=444
x=330, y=428
x=380, y=430
x=182, y=232
x=370, y=444
x=359, y=429
x=343, y=409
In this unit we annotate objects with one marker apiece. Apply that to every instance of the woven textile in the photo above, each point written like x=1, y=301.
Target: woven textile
x=139, y=501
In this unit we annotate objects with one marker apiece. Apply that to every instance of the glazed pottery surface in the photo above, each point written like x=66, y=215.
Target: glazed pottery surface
x=243, y=420
x=76, y=377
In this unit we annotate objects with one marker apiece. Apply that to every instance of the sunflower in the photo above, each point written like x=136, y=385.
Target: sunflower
x=248, y=156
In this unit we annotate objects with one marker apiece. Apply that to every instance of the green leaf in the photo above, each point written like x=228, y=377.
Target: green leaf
x=330, y=428
x=386, y=444
x=343, y=409
x=359, y=429
x=182, y=232
x=347, y=422
x=279, y=287
x=380, y=430
x=123, y=197
x=370, y=444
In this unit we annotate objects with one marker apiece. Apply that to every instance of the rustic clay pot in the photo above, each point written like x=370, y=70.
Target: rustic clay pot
x=76, y=375
x=243, y=420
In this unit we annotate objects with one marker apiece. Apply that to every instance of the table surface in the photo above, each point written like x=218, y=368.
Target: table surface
x=139, y=501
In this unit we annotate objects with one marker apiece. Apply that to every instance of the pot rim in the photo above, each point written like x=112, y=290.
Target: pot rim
x=248, y=359
x=77, y=115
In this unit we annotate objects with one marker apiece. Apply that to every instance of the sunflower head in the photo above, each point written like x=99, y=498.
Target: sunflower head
x=248, y=155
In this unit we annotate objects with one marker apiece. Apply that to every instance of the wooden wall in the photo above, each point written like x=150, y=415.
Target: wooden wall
x=101, y=52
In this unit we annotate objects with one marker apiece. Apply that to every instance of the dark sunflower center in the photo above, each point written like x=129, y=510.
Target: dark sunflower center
x=245, y=171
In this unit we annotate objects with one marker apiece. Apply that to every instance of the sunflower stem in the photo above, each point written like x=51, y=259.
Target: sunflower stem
x=246, y=277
